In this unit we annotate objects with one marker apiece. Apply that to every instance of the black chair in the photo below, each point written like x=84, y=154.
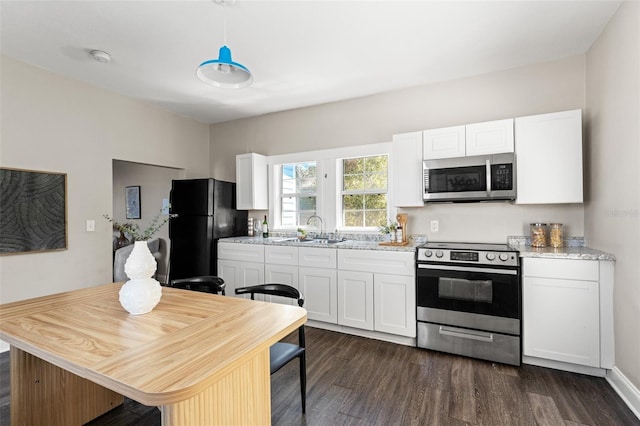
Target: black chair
x=281, y=353
x=205, y=284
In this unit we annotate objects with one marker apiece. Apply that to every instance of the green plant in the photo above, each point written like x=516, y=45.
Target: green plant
x=134, y=230
x=389, y=228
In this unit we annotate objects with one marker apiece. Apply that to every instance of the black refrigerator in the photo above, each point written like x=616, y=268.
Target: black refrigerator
x=206, y=211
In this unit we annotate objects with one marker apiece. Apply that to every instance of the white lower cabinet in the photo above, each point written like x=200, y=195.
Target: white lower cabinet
x=355, y=299
x=395, y=304
x=238, y=274
x=320, y=290
x=281, y=267
x=393, y=273
x=566, y=311
x=240, y=265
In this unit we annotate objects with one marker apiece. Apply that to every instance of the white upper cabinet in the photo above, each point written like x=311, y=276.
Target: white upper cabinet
x=492, y=137
x=406, y=154
x=549, y=158
x=447, y=142
x=251, y=182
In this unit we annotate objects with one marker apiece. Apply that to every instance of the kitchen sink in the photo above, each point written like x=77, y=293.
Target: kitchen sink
x=322, y=241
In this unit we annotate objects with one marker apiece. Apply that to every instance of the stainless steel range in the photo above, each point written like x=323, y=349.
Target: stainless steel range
x=469, y=300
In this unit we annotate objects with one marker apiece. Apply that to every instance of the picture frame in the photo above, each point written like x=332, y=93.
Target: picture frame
x=33, y=207
x=132, y=202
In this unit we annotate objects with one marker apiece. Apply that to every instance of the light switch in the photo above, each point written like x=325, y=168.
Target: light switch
x=91, y=225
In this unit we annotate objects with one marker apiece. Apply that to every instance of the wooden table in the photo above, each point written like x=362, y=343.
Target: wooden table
x=204, y=358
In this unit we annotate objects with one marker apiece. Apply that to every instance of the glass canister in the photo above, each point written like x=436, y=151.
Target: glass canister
x=555, y=235
x=538, y=235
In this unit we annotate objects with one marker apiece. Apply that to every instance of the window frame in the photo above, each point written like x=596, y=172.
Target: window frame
x=340, y=192
x=328, y=189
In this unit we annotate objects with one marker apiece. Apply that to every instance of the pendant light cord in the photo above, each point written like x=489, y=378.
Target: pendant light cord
x=224, y=20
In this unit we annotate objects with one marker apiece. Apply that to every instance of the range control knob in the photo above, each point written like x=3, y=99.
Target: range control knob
x=439, y=253
x=428, y=253
x=504, y=256
x=491, y=256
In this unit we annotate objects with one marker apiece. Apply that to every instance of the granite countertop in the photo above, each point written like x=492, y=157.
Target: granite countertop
x=574, y=248
x=294, y=242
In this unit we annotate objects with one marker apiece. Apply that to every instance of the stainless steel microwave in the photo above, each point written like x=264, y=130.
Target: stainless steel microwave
x=477, y=178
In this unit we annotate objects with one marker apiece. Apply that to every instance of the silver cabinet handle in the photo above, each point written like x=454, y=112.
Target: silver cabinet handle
x=466, y=334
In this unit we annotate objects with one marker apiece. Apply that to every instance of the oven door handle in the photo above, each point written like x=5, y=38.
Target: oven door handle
x=468, y=269
x=466, y=334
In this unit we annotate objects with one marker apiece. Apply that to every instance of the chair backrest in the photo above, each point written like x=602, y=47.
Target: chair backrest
x=204, y=283
x=282, y=290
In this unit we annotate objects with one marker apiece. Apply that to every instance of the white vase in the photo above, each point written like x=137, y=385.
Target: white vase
x=141, y=293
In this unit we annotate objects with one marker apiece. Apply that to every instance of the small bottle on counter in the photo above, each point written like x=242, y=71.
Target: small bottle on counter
x=555, y=235
x=538, y=235
x=399, y=238
x=265, y=227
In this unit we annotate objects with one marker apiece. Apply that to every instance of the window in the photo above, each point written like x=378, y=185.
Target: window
x=297, y=193
x=364, y=191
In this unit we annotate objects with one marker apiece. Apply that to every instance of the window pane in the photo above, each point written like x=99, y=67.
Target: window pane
x=305, y=170
x=375, y=201
x=352, y=218
x=376, y=164
x=376, y=181
x=375, y=217
x=307, y=204
x=307, y=185
x=353, y=183
x=353, y=202
x=352, y=165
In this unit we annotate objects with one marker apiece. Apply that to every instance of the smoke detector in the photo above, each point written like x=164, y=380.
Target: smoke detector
x=100, y=56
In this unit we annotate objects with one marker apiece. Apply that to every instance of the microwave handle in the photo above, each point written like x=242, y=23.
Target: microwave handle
x=488, y=165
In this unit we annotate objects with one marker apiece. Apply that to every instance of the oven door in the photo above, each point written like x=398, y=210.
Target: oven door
x=470, y=289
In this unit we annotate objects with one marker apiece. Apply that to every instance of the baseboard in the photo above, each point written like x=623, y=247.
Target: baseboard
x=391, y=338
x=627, y=391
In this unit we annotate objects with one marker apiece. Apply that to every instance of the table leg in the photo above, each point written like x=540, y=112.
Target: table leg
x=241, y=397
x=43, y=394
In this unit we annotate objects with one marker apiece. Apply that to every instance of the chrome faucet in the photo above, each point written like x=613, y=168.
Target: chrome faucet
x=321, y=223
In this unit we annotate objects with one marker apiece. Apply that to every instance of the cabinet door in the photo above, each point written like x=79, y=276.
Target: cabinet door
x=447, y=142
x=395, y=304
x=281, y=274
x=406, y=154
x=492, y=137
x=319, y=287
x=251, y=182
x=561, y=320
x=549, y=158
x=355, y=299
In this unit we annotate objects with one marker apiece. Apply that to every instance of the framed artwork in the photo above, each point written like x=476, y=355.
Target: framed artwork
x=132, y=201
x=33, y=211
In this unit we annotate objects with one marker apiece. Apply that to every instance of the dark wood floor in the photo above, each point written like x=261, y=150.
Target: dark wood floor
x=358, y=381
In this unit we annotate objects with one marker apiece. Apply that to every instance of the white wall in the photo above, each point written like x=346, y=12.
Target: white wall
x=53, y=123
x=612, y=209
x=535, y=89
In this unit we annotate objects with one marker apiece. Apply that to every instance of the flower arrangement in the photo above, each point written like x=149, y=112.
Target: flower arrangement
x=388, y=229
x=134, y=230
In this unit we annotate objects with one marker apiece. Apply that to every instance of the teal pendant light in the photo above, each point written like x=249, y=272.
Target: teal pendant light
x=223, y=72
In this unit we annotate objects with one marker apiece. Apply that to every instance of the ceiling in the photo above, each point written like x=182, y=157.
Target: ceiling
x=300, y=53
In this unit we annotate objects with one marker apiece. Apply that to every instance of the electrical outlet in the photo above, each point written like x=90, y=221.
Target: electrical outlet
x=91, y=225
x=434, y=226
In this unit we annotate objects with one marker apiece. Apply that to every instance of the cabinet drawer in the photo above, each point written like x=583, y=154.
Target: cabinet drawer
x=245, y=252
x=586, y=270
x=317, y=257
x=387, y=262
x=280, y=255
